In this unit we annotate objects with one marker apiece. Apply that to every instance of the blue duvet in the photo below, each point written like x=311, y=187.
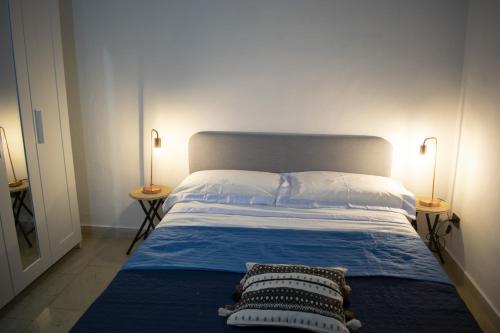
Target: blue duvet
x=227, y=248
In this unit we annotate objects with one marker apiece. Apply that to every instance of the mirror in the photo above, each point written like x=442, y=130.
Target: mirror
x=12, y=150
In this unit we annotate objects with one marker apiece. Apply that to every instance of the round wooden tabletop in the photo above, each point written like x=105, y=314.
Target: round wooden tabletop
x=21, y=188
x=137, y=194
x=443, y=208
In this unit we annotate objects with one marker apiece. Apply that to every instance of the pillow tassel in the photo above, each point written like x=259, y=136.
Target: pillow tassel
x=223, y=312
x=353, y=324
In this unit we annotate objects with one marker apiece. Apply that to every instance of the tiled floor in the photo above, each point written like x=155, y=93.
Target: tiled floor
x=55, y=301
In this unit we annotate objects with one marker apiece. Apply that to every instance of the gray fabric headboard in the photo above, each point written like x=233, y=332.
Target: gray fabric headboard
x=289, y=152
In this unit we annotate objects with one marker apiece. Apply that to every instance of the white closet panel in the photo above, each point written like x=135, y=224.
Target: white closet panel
x=49, y=225
x=48, y=104
x=22, y=276
x=6, y=288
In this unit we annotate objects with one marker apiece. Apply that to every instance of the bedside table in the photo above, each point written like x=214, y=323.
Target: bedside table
x=154, y=201
x=19, y=194
x=433, y=236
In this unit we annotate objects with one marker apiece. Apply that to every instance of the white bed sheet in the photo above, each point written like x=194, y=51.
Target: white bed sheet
x=271, y=217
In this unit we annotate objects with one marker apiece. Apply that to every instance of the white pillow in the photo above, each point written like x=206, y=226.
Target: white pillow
x=314, y=189
x=227, y=186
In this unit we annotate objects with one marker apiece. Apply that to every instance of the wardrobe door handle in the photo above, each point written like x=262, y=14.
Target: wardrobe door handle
x=39, y=127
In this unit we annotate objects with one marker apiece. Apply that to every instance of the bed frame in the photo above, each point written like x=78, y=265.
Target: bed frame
x=290, y=152
x=416, y=305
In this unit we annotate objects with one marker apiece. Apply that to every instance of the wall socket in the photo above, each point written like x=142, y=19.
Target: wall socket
x=455, y=220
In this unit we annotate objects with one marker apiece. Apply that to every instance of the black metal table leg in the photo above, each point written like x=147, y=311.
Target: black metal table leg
x=151, y=208
x=433, y=239
x=414, y=222
x=20, y=196
x=139, y=233
x=19, y=201
x=157, y=204
x=16, y=199
x=151, y=213
x=26, y=208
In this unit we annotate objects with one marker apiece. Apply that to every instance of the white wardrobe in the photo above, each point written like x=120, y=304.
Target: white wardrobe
x=39, y=215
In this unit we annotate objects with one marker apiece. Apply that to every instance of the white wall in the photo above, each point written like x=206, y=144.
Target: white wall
x=476, y=246
x=388, y=67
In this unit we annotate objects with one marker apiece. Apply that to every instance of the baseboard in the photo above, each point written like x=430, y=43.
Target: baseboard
x=83, y=225
x=480, y=305
x=108, y=231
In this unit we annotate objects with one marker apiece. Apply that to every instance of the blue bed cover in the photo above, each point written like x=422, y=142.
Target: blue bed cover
x=229, y=248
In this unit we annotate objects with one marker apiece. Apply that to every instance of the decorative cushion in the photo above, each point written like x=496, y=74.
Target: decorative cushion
x=293, y=296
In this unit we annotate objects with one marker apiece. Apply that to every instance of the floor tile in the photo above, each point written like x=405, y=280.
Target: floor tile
x=55, y=301
x=52, y=320
x=13, y=325
x=51, y=283
x=78, y=258
x=82, y=291
x=27, y=306
x=112, y=254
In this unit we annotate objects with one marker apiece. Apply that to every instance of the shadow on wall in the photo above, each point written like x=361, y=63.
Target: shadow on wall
x=74, y=108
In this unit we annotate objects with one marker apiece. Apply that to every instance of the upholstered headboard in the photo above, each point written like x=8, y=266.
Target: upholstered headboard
x=289, y=152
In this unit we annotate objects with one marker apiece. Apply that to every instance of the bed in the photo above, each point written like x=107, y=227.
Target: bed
x=189, y=265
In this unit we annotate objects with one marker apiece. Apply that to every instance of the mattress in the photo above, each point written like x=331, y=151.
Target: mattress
x=189, y=265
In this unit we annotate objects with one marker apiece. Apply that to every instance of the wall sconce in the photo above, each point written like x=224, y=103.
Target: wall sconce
x=16, y=182
x=155, y=146
x=430, y=202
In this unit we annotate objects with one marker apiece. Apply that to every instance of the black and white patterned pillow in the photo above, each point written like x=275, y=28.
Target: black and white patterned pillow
x=295, y=296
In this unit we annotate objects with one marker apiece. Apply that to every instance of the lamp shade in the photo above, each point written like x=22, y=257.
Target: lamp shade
x=157, y=142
